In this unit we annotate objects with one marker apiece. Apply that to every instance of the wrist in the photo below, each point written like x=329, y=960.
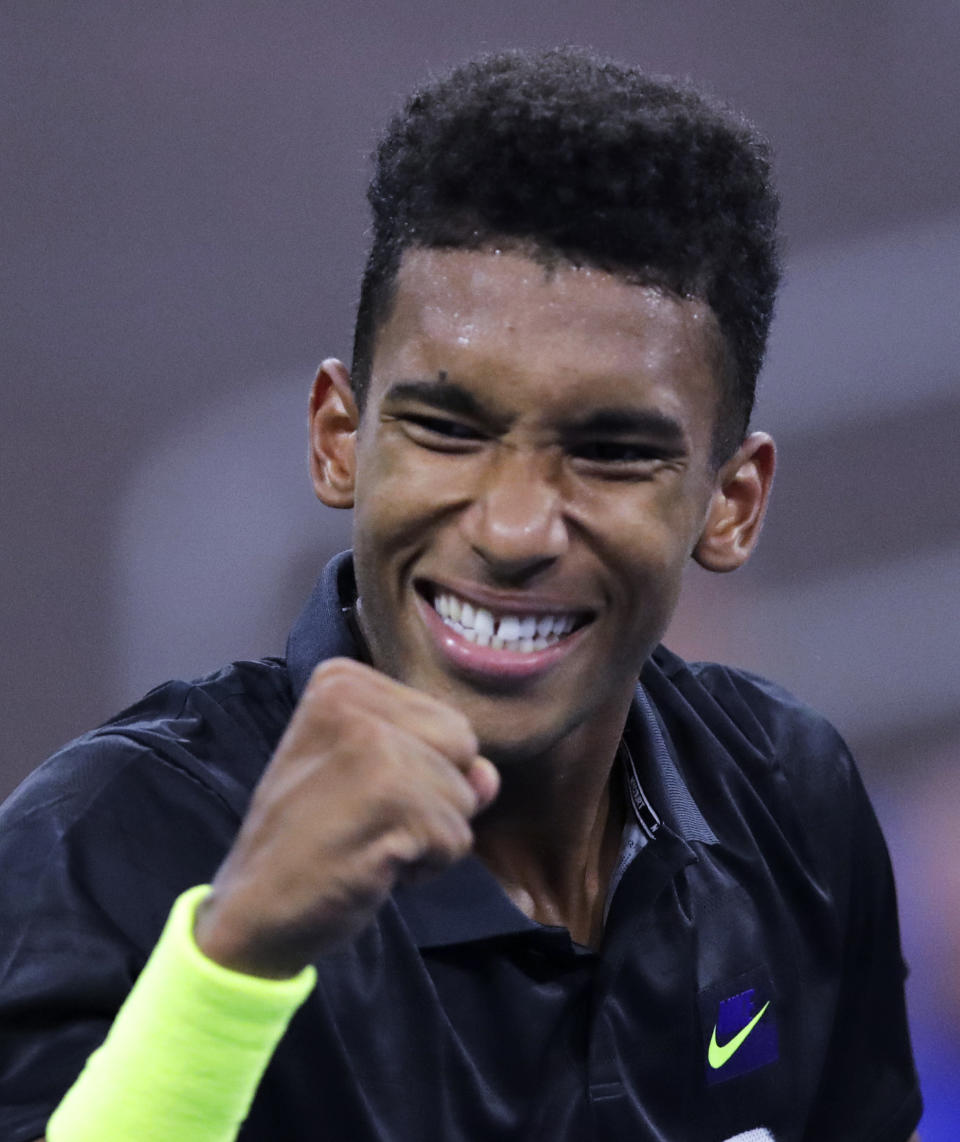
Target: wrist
x=187, y=1050
x=231, y=944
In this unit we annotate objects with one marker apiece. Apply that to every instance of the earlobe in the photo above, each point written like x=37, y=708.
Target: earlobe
x=737, y=506
x=333, y=423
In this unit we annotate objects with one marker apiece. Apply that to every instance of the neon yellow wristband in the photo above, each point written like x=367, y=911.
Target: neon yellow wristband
x=186, y=1052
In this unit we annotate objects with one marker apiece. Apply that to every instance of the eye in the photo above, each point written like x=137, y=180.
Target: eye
x=444, y=427
x=619, y=459
x=616, y=452
x=440, y=432
x=610, y=450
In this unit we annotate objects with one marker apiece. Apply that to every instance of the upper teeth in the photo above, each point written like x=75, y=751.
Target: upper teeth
x=524, y=633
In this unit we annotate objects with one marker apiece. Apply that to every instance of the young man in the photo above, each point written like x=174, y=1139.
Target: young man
x=511, y=892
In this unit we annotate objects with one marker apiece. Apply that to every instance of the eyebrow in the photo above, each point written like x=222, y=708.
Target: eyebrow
x=448, y=396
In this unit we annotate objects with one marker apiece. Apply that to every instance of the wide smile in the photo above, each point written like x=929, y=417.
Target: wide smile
x=507, y=638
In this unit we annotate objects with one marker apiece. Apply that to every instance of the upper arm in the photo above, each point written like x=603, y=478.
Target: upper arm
x=75, y=931
x=869, y=1077
x=868, y=1086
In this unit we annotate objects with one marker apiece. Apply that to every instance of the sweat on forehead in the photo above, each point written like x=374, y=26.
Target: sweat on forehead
x=444, y=296
x=493, y=335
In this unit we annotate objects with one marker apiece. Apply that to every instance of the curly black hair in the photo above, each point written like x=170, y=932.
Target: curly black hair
x=571, y=154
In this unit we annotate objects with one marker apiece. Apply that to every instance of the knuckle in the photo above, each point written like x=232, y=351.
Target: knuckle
x=333, y=676
x=462, y=795
x=462, y=844
x=378, y=748
x=455, y=838
x=401, y=847
x=460, y=733
x=471, y=745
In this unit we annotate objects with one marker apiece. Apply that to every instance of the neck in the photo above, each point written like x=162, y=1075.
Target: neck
x=553, y=835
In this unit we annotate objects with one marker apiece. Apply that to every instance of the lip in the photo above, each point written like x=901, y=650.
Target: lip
x=485, y=663
x=503, y=602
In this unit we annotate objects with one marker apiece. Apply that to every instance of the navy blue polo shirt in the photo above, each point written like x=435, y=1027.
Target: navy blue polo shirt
x=749, y=984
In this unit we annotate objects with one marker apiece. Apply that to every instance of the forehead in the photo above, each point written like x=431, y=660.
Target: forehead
x=505, y=320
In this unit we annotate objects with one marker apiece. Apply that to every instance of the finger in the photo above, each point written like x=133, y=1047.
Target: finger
x=484, y=779
x=338, y=684
x=428, y=769
x=435, y=722
x=380, y=760
x=444, y=841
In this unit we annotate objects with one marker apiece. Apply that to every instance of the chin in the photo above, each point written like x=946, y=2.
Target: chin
x=524, y=741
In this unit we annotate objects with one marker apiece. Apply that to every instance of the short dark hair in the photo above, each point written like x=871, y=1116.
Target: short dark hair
x=572, y=154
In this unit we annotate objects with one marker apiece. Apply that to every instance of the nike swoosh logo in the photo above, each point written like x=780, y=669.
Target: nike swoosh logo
x=717, y=1055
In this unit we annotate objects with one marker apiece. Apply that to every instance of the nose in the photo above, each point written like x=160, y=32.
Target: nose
x=515, y=521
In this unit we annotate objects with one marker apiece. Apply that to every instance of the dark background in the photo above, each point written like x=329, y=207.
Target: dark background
x=181, y=232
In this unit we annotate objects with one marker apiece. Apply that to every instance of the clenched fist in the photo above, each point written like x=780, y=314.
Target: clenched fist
x=373, y=782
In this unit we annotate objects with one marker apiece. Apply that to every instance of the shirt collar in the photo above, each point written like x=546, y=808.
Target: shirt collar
x=322, y=629
x=465, y=902
x=662, y=783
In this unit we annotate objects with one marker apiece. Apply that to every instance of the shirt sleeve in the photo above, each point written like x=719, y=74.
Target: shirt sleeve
x=94, y=848
x=868, y=1089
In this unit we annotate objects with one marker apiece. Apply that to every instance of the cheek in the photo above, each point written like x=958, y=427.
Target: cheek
x=648, y=530
x=400, y=507
x=385, y=489
x=401, y=489
x=648, y=540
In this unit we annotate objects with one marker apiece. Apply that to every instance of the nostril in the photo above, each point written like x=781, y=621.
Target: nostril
x=503, y=571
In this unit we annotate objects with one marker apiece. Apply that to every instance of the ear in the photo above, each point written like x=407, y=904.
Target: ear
x=333, y=423
x=737, y=506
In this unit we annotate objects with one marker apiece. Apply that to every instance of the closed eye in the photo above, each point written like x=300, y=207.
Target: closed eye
x=616, y=451
x=439, y=432
x=621, y=459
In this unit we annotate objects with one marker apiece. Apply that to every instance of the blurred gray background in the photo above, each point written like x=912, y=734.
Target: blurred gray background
x=182, y=224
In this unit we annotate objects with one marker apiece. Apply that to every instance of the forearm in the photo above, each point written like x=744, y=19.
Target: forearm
x=187, y=1050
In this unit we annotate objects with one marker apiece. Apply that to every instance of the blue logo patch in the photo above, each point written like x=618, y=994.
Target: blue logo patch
x=742, y=1036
